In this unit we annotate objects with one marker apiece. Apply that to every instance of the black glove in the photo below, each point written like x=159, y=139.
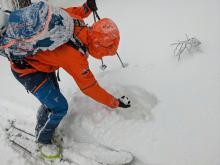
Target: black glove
x=124, y=102
x=92, y=5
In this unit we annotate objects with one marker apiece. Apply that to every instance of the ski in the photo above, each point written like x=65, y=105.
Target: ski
x=24, y=143
x=73, y=153
x=12, y=125
x=26, y=153
x=33, y=155
x=20, y=146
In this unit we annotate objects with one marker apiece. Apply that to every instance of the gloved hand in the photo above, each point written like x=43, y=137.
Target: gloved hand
x=92, y=5
x=124, y=102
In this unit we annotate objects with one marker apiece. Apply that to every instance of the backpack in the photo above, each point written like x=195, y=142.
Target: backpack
x=38, y=27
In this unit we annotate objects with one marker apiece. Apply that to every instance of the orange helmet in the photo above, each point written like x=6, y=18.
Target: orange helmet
x=103, y=38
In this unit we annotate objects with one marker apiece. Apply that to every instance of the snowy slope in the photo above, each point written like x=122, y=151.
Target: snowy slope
x=175, y=117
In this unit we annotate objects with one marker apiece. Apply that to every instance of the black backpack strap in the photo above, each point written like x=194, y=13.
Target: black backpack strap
x=75, y=41
x=78, y=22
x=78, y=45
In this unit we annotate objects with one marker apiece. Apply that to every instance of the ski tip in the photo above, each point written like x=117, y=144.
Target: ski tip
x=128, y=157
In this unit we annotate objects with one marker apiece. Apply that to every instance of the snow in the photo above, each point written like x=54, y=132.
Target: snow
x=174, y=118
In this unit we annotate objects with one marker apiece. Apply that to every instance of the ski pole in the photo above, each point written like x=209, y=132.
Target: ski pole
x=103, y=66
x=122, y=64
x=95, y=13
x=94, y=16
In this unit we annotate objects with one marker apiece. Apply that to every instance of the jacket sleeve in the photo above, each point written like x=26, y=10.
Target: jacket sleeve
x=76, y=64
x=96, y=92
x=82, y=11
x=90, y=87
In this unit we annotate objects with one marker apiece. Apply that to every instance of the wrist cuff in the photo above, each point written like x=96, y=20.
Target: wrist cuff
x=115, y=103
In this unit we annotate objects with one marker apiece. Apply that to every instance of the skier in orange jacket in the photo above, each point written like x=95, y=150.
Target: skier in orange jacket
x=72, y=61
x=37, y=73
